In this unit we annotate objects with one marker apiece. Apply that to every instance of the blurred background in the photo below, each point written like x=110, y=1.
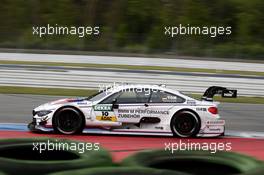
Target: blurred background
x=137, y=26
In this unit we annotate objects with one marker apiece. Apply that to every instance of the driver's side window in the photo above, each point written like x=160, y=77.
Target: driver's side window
x=128, y=96
x=110, y=99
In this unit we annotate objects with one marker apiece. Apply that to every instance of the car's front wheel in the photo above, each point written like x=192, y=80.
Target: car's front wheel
x=68, y=121
x=185, y=124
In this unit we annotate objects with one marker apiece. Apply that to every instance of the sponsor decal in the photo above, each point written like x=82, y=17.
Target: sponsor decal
x=128, y=113
x=128, y=116
x=82, y=103
x=103, y=107
x=67, y=100
x=170, y=99
x=163, y=112
x=131, y=113
x=215, y=129
x=201, y=109
x=191, y=102
x=215, y=122
x=106, y=118
x=159, y=127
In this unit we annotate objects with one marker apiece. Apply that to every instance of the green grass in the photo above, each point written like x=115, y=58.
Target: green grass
x=133, y=67
x=85, y=93
x=46, y=91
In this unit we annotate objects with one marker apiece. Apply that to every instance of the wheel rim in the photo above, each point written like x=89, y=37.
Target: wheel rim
x=185, y=125
x=68, y=121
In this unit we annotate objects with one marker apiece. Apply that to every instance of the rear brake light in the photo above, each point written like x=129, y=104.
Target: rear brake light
x=213, y=110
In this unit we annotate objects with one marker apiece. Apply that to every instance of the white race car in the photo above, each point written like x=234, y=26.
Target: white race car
x=134, y=109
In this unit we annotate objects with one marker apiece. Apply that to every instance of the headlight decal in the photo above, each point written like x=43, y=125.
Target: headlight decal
x=43, y=113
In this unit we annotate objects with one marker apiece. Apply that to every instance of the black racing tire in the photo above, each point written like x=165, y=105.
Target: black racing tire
x=68, y=121
x=185, y=124
x=120, y=171
x=197, y=162
x=18, y=156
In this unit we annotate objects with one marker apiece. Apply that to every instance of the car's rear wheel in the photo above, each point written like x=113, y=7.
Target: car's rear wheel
x=68, y=121
x=185, y=124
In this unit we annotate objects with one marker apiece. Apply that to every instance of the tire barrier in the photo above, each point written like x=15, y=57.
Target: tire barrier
x=28, y=156
x=197, y=162
x=120, y=171
x=17, y=156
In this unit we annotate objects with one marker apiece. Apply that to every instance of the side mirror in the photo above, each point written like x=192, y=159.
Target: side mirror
x=114, y=101
x=115, y=106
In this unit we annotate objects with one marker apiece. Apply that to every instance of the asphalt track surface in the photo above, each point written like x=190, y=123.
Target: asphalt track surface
x=240, y=117
x=94, y=78
x=220, y=65
x=17, y=108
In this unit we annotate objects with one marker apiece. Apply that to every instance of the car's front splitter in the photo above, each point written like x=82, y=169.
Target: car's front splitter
x=38, y=128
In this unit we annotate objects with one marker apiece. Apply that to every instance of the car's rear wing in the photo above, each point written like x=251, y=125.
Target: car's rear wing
x=213, y=90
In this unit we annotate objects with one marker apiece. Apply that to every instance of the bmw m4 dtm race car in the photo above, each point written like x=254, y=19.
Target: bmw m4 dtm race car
x=134, y=109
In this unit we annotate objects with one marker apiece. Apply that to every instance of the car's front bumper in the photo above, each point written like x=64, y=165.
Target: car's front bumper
x=38, y=128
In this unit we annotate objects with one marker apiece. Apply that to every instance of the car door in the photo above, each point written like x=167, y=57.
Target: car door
x=126, y=105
